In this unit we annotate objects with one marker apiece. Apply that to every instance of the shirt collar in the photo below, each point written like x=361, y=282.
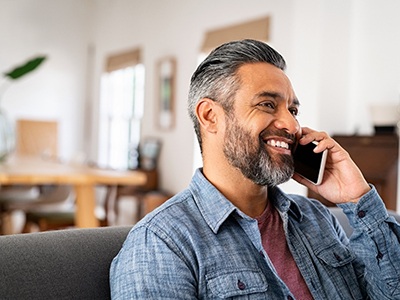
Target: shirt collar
x=215, y=208
x=285, y=203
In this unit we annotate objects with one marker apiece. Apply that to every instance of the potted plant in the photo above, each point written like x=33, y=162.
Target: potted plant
x=6, y=131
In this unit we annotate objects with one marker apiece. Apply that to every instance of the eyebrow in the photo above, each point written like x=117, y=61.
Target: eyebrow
x=276, y=95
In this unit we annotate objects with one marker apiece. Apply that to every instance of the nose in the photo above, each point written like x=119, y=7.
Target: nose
x=285, y=120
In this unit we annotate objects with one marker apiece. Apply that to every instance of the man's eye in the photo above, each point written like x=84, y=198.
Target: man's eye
x=294, y=111
x=268, y=105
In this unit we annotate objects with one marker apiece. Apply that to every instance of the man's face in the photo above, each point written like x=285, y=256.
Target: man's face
x=262, y=129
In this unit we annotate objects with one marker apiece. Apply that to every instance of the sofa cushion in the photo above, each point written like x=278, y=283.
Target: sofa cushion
x=64, y=264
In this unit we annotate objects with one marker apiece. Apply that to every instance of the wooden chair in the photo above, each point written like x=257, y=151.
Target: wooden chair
x=33, y=138
x=37, y=138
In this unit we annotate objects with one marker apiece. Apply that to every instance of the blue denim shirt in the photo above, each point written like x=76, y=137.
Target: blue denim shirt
x=198, y=245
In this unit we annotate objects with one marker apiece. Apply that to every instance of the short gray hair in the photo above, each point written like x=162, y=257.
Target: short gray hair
x=215, y=78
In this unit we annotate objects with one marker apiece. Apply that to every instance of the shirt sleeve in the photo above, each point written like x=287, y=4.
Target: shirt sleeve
x=375, y=241
x=150, y=266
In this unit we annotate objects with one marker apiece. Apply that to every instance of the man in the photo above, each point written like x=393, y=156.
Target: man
x=233, y=233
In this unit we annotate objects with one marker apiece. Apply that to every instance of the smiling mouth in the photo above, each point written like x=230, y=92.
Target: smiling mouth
x=278, y=144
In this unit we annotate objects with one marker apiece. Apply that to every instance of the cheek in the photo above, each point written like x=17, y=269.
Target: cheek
x=262, y=126
x=258, y=125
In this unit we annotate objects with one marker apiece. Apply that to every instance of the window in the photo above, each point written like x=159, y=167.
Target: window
x=121, y=111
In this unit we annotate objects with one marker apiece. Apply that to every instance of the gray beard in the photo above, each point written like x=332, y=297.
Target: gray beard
x=253, y=160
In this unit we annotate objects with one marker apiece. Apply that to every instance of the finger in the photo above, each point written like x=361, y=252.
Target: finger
x=306, y=130
x=310, y=135
x=322, y=139
x=320, y=136
x=324, y=144
x=307, y=135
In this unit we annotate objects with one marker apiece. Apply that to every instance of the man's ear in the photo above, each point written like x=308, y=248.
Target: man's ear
x=207, y=112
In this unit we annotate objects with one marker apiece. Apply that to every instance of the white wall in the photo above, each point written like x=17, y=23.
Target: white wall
x=56, y=90
x=375, y=59
x=342, y=56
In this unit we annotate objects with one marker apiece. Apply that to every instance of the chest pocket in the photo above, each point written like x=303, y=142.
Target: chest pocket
x=335, y=255
x=337, y=260
x=238, y=284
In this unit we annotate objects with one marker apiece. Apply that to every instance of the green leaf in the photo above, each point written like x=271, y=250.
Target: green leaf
x=25, y=68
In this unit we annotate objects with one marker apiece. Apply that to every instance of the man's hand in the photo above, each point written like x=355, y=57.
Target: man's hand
x=343, y=181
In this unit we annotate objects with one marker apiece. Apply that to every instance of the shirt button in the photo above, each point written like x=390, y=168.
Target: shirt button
x=361, y=214
x=241, y=285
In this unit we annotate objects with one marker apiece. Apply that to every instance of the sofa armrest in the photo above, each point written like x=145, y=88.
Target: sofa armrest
x=64, y=264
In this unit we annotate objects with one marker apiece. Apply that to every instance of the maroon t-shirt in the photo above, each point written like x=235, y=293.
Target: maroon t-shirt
x=274, y=243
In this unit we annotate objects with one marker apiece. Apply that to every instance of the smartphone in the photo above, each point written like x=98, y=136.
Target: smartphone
x=309, y=164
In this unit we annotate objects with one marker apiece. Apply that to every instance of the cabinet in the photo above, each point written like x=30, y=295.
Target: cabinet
x=377, y=157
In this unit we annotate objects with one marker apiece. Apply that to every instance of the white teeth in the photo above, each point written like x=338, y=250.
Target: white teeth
x=279, y=144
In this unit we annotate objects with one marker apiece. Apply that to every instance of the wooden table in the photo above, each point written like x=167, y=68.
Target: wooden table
x=31, y=171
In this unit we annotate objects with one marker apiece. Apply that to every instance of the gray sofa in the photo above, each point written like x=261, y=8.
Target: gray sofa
x=64, y=264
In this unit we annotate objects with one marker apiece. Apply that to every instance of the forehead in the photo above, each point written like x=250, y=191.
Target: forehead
x=259, y=78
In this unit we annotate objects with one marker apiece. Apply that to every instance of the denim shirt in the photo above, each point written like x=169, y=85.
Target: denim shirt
x=198, y=245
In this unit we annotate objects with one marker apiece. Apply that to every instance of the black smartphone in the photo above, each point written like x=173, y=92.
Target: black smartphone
x=309, y=164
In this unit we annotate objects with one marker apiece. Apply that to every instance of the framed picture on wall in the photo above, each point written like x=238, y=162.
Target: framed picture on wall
x=166, y=73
